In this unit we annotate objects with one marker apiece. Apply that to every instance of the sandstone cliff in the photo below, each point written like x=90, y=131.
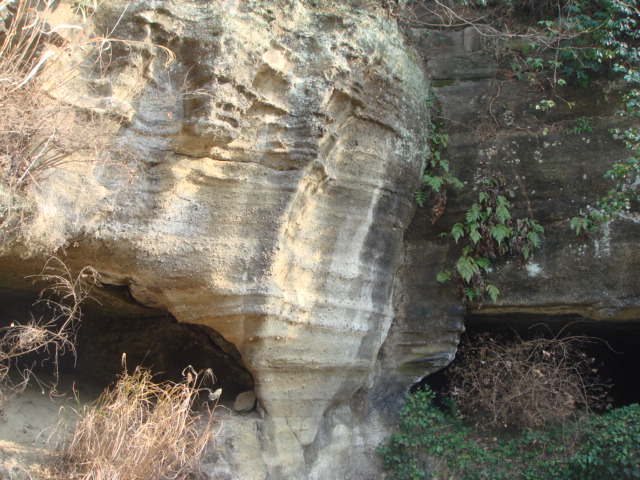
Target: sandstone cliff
x=264, y=193
x=261, y=186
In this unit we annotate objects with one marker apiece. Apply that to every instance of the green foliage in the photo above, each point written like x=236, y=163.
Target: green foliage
x=573, y=41
x=436, y=177
x=581, y=126
x=596, y=36
x=583, y=224
x=432, y=441
x=609, y=446
x=489, y=232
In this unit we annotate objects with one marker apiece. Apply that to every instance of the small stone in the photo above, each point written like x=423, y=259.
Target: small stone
x=245, y=401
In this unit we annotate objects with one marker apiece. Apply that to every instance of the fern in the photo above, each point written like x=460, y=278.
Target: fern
x=484, y=263
x=493, y=292
x=490, y=233
x=502, y=213
x=473, y=213
x=443, y=277
x=474, y=234
x=420, y=196
x=467, y=268
x=500, y=232
x=433, y=182
x=454, y=182
x=457, y=232
x=534, y=239
x=436, y=175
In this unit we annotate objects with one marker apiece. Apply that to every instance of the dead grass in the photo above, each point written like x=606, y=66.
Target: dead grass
x=140, y=430
x=516, y=383
x=42, y=127
x=49, y=336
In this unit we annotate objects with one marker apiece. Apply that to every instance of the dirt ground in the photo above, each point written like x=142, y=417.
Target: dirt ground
x=31, y=423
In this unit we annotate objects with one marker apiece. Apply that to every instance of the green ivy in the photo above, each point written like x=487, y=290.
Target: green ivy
x=488, y=233
x=574, y=40
x=431, y=441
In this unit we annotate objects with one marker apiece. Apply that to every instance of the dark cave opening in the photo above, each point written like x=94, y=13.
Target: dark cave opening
x=149, y=338
x=615, y=346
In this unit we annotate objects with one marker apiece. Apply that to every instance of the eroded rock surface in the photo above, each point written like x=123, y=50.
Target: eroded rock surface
x=264, y=193
x=261, y=186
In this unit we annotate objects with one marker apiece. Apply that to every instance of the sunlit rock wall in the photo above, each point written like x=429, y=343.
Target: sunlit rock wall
x=260, y=185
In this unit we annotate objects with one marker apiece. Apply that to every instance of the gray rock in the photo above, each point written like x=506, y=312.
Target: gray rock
x=245, y=401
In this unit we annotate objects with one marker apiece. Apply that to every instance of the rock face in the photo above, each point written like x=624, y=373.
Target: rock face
x=554, y=174
x=272, y=165
x=260, y=186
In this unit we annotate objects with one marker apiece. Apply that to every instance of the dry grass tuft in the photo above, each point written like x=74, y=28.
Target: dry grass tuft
x=140, y=430
x=53, y=335
x=46, y=121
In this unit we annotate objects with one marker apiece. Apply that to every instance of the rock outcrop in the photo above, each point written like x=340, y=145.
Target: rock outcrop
x=260, y=186
x=264, y=185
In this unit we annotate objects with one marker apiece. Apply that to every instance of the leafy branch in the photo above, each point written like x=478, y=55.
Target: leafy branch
x=436, y=177
x=489, y=232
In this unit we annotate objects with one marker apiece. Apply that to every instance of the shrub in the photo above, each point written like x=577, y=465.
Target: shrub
x=518, y=383
x=51, y=335
x=426, y=436
x=139, y=430
x=431, y=443
x=609, y=446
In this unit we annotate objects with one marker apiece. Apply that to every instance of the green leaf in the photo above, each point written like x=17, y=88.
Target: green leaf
x=470, y=293
x=483, y=197
x=454, y=181
x=467, y=268
x=457, y=232
x=433, y=182
x=534, y=239
x=500, y=232
x=502, y=213
x=484, y=263
x=420, y=196
x=474, y=234
x=473, y=213
x=443, y=277
x=493, y=292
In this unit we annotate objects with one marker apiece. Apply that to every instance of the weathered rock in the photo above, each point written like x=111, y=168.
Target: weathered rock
x=245, y=401
x=494, y=127
x=271, y=169
x=260, y=186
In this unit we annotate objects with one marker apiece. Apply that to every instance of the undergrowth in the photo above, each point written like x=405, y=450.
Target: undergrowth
x=141, y=430
x=432, y=442
x=516, y=410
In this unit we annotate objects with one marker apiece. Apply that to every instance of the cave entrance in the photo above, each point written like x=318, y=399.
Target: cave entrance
x=615, y=346
x=150, y=338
